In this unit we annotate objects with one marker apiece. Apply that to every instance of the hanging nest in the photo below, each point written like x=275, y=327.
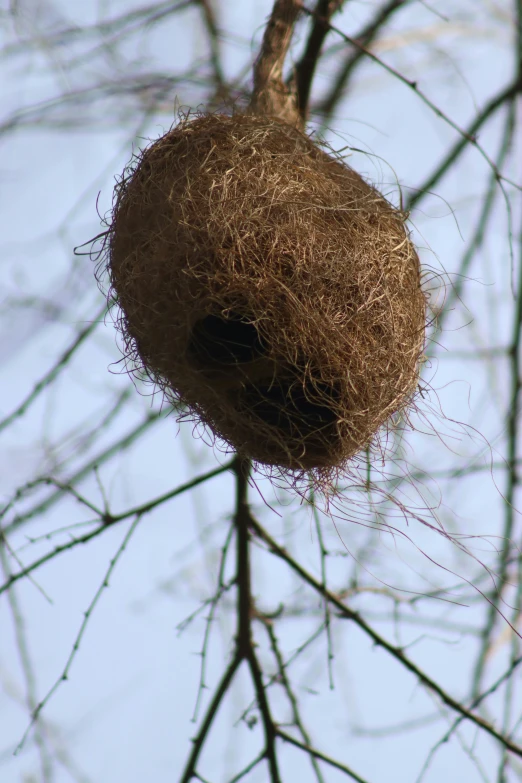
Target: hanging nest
x=267, y=287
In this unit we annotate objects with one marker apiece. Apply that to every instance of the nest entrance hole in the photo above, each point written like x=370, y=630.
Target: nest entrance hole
x=295, y=407
x=298, y=410
x=225, y=341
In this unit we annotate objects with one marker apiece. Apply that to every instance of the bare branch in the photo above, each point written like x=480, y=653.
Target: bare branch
x=366, y=36
x=107, y=520
x=199, y=739
x=76, y=646
x=322, y=756
x=53, y=373
x=395, y=652
x=468, y=136
x=305, y=68
x=283, y=677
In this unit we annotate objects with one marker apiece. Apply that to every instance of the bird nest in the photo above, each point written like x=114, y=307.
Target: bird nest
x=269, y=289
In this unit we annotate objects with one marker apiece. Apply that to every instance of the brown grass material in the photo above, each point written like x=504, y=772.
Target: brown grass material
x=265, y=285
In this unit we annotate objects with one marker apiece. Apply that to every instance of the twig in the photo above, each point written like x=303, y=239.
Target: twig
x=55, y=370
x=81, y=442
x=211, y=713
x=213, y=38
x=327, y=107
x=475, y=703
x=109, y=520
x=305, y=69
x=468, y=136
x=28, y=672
x=327, y=618
x=481, y=226
x=241, y=522
x=245, y=642
x=76, y=646
x=118, y=447
x=318, y=755
x=513, y=435
x=184, y=624
x=275, y=677
x=396, y=652
x=285, y=682
x=249, y=767
x=266, y=716
x=222, y=587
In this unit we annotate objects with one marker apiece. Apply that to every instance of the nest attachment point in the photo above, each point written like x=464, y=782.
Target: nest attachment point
x=266, y=286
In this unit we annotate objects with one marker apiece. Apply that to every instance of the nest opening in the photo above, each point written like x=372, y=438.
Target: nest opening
x=224, y=341
x=300, y=411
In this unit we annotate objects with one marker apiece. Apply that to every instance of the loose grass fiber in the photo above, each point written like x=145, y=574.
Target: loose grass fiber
x=266, y=286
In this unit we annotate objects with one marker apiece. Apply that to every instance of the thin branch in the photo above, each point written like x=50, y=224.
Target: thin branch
x=28, y=672
x=109, y=520
x=266, y=716
x=79, y=442
x=222, y=588
x=468, y=136
x=122, y=24
x=482, y=222
x=199, y=739
x=367, y=35
x=209, y=17
x=318, y=755
x=184, y=624
x=395, y=652
x=274, y=679
x=55, y=370
x=117, y=447
x=292, y=698
x=249, y=767
x=150, y=505
x=244, y=596
x=76, y=646
x=513, y=436
x=305, y=68
x=327, y=618
x=245, y=642
x=414, y=724
x=475, y=703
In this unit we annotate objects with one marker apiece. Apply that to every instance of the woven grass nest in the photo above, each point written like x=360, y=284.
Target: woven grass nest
x=263, y=284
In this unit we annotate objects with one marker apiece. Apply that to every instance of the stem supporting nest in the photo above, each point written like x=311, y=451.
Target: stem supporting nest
x=271, y=96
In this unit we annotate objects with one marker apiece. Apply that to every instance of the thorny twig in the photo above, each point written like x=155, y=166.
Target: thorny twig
x=107, y=519
x=76, y=646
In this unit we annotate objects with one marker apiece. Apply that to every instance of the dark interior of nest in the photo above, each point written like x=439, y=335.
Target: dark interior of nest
x=295, y=407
